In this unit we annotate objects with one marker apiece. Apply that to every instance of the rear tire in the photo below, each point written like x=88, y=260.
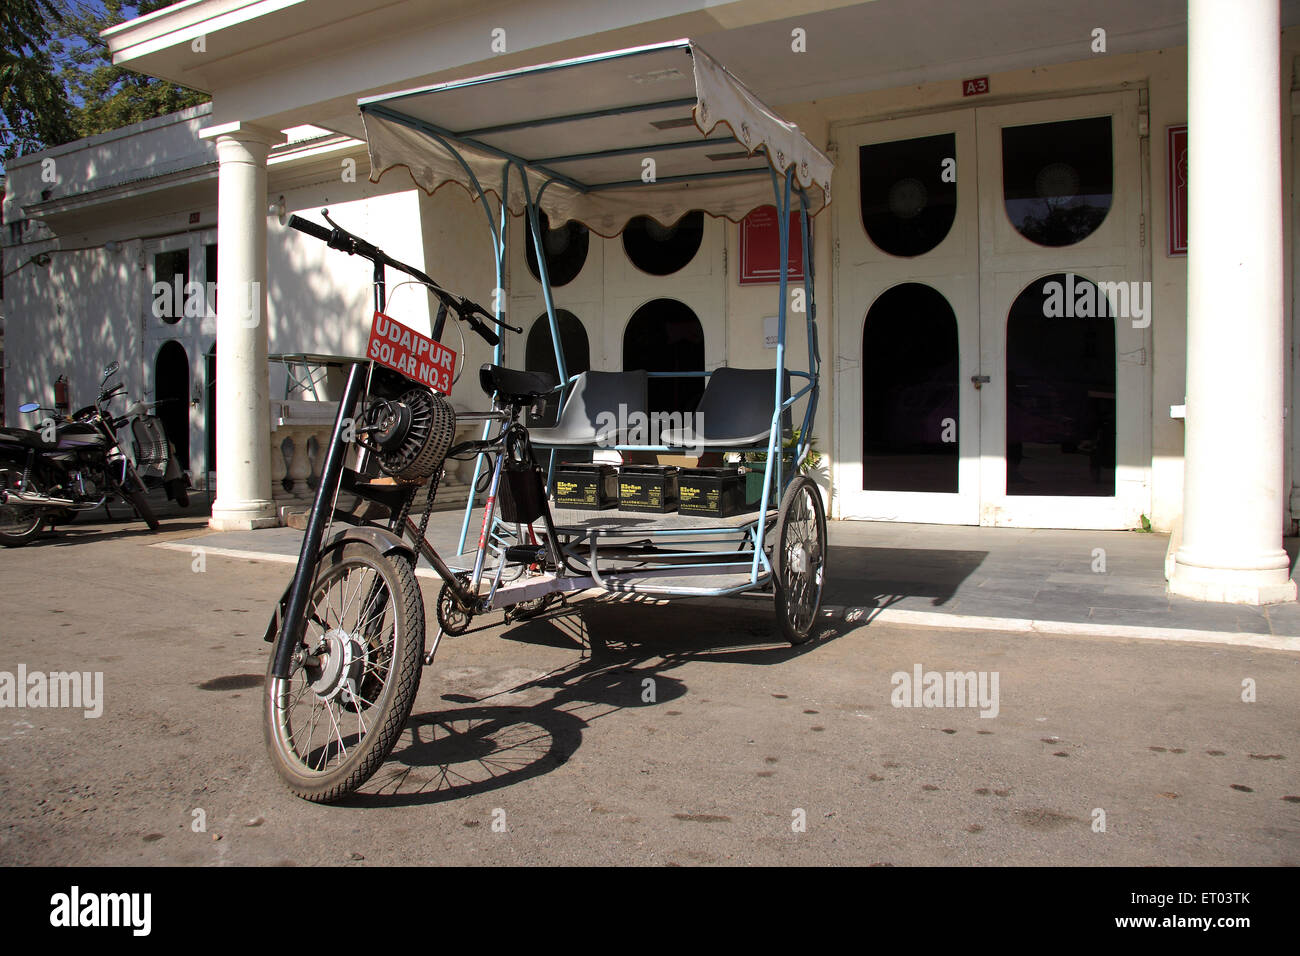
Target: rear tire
x=365, y=637
x=178, y=493
x=799, y=559
x=19, y=524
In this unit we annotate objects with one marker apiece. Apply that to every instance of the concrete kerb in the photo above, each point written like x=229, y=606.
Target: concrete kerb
x=900, y=616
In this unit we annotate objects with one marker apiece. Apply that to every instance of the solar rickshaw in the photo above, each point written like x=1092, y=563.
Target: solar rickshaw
x=657, y=131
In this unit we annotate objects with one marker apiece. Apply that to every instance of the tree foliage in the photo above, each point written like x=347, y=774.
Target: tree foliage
x=57, y=78
x=103, y=96
x=33, y=103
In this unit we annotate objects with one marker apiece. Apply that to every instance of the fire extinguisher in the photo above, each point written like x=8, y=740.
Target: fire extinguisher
x=61, y=402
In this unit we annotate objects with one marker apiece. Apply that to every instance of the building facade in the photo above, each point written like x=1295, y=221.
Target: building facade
x=1035, y=311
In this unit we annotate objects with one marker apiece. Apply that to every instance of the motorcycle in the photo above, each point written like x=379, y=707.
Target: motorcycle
x=76, y=463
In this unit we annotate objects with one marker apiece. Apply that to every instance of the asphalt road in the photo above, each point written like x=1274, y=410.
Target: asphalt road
x=536, y=743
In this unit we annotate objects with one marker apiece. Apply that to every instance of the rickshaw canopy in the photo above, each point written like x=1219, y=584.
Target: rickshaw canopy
x=656, y=130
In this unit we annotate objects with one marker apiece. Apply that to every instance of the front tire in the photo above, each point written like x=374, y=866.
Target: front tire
x=354, y=676
x=799, y=559
x=137, y=500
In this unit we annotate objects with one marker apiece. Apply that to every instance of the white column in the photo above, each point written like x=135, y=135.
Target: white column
x=1233, y=493
x=243, y=412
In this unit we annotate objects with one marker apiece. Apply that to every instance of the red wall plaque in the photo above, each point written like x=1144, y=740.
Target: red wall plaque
x=1176, y=142
x=760, y=247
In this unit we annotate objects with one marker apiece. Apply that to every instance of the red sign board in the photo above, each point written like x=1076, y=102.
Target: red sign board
x=416, y=356
x=974, y=87
x=760, y=247
x=1177, y=150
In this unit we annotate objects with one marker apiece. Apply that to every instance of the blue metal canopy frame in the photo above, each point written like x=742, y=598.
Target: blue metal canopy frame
x=784, y=187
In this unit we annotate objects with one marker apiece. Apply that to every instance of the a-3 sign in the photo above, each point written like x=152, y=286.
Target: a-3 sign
x=416, y=356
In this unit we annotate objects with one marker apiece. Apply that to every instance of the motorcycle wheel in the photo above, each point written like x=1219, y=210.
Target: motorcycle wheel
x=132, y=491
x=335, y=719
x=20, y=524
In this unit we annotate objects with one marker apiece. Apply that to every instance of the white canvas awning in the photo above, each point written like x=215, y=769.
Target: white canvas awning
x=586, y=131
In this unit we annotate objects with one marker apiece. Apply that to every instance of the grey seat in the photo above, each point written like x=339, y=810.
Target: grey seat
x=735, y=410
x=598, y=404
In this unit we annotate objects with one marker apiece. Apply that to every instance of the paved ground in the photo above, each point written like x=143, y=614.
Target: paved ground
x=544, y=728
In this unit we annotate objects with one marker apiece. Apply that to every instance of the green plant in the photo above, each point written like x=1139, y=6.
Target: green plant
x=1146, y=525
x=788, y=447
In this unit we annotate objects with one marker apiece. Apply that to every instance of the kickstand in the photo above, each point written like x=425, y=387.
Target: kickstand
x=428, y=657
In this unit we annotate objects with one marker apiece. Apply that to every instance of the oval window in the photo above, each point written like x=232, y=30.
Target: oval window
x=908, y=192
x=1058, y=179
x=662, y=250
x=566, y=250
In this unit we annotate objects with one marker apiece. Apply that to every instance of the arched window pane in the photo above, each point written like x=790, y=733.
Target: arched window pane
x=664, y=335
x=909, y=392
x=539, y=356
x=1061, y=390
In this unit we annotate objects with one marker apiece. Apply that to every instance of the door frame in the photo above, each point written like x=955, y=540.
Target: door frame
x=1001, y=258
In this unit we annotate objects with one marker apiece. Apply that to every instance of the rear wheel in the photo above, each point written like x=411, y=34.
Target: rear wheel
x=354, y=676
x=799, y=559
x=178, y=492
x=20, y=523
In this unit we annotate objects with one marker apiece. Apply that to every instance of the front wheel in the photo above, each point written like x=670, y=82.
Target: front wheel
x=799, y=559
x=131, y=489
x=353, y=677
x=141, y=505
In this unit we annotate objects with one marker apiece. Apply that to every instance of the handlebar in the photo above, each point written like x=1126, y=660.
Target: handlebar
x=466, y=310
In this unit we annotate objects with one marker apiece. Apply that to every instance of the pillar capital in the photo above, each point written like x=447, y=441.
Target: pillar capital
x=243, y=132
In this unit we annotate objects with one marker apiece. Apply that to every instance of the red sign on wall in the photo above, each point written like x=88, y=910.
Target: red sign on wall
x=760, y=247
x=416, y=356
x=975, y=86
x=1176, y=141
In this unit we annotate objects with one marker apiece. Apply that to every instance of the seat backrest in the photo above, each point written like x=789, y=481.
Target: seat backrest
x=739, y=402
x=596, y=392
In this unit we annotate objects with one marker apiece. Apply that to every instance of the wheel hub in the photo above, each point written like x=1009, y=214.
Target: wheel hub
x=799, y=559
x=340, y=660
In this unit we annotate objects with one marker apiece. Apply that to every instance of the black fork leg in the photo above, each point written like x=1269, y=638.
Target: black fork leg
x=296, y=606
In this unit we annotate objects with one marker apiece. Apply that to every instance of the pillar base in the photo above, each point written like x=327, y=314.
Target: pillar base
x=1233, y=585
x=243, y=516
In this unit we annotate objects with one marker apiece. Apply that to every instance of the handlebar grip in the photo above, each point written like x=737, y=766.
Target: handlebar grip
x=490, y=337
x=309, y=227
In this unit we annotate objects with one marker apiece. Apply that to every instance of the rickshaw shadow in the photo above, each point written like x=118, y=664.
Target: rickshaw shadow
x=452, y=754
x=538, y=725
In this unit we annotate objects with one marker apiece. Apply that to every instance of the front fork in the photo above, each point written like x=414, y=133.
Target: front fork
x=294, y=619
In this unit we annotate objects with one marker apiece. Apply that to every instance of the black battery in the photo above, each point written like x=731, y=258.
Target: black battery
x=592, y=487
x=717, y=492
x=649, y=488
